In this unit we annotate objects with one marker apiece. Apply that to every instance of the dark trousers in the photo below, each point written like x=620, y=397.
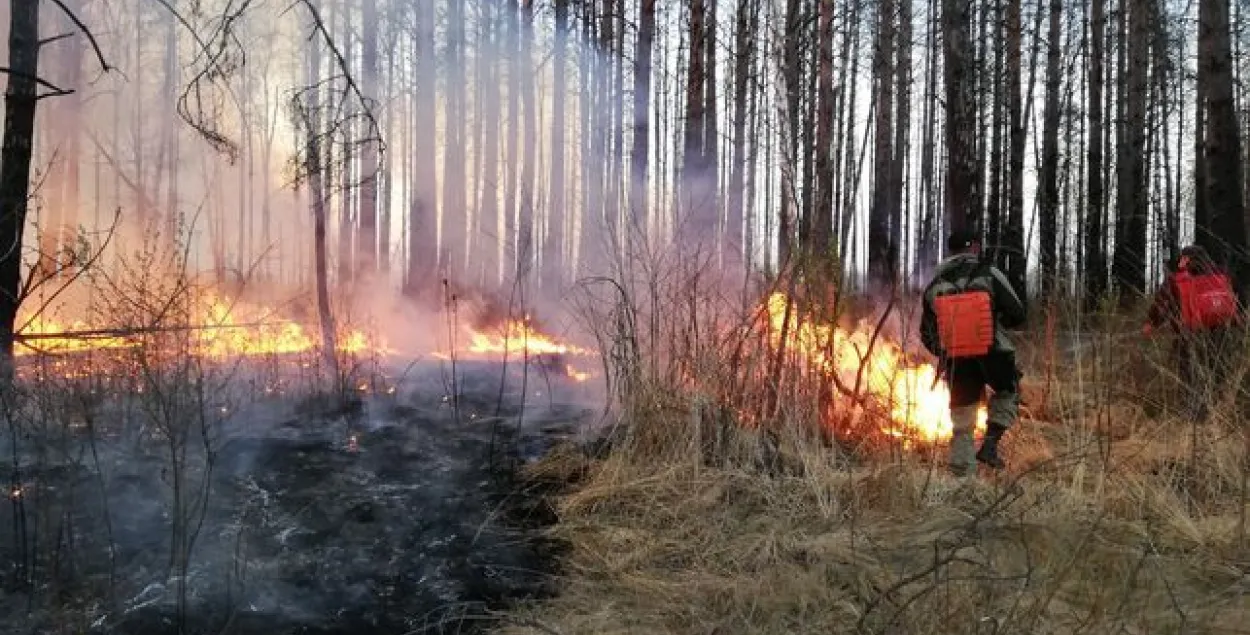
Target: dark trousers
x=968, y=379
x=1201, y=359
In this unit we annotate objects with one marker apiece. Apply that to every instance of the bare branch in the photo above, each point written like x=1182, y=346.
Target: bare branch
x=99, y=54
x=55, y=38
x=38, y=80
x=319, y=27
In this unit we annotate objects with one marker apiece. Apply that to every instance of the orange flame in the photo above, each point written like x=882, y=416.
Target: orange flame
x=516, y=337
x=223, y=329
x=919, y=407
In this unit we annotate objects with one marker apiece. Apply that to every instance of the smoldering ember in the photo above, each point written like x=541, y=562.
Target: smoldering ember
x=622, y=316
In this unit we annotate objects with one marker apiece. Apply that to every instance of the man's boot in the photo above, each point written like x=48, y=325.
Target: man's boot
x=988, y=454
x=963, y=423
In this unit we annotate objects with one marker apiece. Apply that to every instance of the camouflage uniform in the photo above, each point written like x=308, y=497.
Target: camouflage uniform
x=968, y=377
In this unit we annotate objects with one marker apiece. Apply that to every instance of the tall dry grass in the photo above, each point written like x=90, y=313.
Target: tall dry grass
x=717, y=509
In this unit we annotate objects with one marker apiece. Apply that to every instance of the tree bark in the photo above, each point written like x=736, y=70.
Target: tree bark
x=880, y=231
x=1014, y=260
x=1224, y=235
x=423, y=259
x=1129, y=265
x=19, y=129
x=367, y=238
x=1095, y=256
x=553, y=244
x=640, y=155
x=962, y=175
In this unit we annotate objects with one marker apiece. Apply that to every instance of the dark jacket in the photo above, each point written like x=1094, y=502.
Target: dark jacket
x=968, y=271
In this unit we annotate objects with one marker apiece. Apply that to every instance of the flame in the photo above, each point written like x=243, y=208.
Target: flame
x=918, y=406
x=223, y=329
x=516, y=337
x=42, y=326
x=241, y=330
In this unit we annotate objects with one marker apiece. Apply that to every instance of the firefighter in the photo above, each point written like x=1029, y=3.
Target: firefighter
x=1198, y=303
x=967, y=307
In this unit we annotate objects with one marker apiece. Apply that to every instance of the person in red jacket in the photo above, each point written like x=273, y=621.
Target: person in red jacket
x=1199, y=303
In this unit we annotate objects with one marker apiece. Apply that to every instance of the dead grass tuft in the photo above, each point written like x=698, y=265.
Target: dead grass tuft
x=724, y=505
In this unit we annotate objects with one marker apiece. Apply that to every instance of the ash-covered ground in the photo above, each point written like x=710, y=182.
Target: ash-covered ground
x=399, y=513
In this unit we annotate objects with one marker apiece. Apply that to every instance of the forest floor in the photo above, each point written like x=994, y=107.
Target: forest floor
x=395, y=514
x=1115, y=515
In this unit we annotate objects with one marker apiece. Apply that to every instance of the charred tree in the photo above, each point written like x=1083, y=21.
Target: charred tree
x=1095, y=274
x=640, y=154
x=821, y=226
x=746, y=23
x=697, y=223
x=1013, y=254
x=710, y=160
x=1048, y=186
x=880, y=231
x=792, y=77
x=930, y=209
x=1224, y=234
x=902, y=131
x=20, y=98
x=961, y=107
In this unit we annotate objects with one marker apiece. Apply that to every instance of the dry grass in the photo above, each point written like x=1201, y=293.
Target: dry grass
x=1110, y=520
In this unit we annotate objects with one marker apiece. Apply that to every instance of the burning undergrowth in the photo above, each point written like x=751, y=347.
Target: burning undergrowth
x=861, y=368
x=167, y=471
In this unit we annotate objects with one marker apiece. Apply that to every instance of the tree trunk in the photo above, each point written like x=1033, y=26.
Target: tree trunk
x=640, y=154
x=553, y=244
x=1095, y=256
x=19, y=130
x=745, y=22
x=697, y=223
x=315, y=168
x=879, y=230
x=455, y=217
x=423, y=259
x=711, y=147
x=367, y=237
x=487, y=236
x=1129, y=266
x=792, y=74
x=1048, y=186
x=525, y=240
x=1224, y=236
x=821, y=225
x=961, y=175
x=927, y=249
x=511, y=23
x=900, y=208
x=1014, y=261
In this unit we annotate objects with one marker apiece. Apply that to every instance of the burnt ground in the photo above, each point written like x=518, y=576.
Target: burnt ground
x=420, y=525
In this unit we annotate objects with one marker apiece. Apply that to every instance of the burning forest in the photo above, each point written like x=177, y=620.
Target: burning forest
x=544, y=316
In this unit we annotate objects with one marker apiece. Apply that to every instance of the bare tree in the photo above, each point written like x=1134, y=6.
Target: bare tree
x=1223, y=228
x=962, y=175
x=1129, y=265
